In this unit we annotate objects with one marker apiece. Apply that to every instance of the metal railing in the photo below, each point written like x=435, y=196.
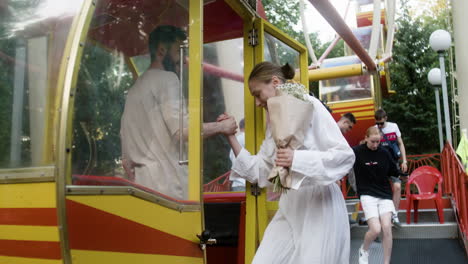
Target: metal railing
x=456, y=186
x=220, y=184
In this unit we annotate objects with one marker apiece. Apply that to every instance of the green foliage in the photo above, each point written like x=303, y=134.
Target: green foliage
x=284, y=14
x=413, y=105
x=99, y=106
x=7, y=47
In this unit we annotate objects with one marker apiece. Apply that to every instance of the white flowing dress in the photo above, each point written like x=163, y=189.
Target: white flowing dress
x=311, y=224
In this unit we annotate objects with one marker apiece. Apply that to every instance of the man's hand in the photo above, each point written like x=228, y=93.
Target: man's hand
x=284, y=157
x=228, y=126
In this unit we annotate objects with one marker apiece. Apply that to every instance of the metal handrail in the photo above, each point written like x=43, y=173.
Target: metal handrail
x=456, y=186
x=183, y=46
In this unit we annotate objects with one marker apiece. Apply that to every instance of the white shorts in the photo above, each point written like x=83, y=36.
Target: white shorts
x=374, y=207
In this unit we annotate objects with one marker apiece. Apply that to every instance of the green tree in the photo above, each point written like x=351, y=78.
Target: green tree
x=284, y=14
x=413, y=106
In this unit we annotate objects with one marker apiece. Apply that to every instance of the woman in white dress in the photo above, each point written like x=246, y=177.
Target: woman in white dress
x=311, y=224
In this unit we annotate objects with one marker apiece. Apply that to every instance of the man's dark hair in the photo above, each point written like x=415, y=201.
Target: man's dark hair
x=379, y=114
x=242, y=124
x=165, y=35
x=350, y=117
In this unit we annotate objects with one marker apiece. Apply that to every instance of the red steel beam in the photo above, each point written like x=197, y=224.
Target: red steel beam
x=334, y=19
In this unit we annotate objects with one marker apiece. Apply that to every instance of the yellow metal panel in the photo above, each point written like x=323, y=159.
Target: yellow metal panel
x=31, y=233
x=68, y=78
x=195, y=97
x=28, y=195
x=259, y=113
x=335, y=72
x=184, y=225
x=249, y=113
x=260, y=121
x=272, y=206
x=304, y=69
x=16, y=260
x=104, y=257
x=283, y=37
x=351, y=103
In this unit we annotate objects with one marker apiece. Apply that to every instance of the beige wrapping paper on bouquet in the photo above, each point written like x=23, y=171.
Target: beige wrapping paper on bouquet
x=289, y=121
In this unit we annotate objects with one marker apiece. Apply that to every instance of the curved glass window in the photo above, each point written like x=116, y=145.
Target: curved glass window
x=33, y=35
x=128, y=122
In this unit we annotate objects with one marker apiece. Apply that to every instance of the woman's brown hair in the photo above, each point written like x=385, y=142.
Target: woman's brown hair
x=264, y=72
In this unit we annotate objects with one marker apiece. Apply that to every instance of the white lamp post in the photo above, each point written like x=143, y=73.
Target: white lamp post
x=440, y=41
x=434, y=78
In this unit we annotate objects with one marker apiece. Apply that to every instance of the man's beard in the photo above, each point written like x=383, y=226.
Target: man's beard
x=169, y=64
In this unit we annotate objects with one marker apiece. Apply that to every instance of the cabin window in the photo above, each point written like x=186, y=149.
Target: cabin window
x=223, y=91
x=126, y=123
x=32, y=40
x=347, y=88
x=280, y=53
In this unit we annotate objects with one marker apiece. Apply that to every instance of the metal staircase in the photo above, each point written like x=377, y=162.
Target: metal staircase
x=426, y=242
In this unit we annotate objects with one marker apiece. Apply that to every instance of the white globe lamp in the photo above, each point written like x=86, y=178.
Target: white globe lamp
x=434, y=77
x=440, y=40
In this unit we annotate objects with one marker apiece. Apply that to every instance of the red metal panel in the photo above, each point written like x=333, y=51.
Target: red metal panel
x=28, y=216
x=94, y=229
x=30, y=249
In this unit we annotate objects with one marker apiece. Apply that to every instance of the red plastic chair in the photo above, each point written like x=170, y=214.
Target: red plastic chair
x=425, y=178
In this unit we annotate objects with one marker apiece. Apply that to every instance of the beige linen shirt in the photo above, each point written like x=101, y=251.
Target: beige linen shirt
x=148, y=131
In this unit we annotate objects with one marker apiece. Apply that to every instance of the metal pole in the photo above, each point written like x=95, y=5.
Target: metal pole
x=439, y=118
x=448, y=131
x=329, y=13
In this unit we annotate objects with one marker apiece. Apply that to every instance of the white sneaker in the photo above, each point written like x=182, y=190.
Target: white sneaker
x=396, y=221
x=363, y=256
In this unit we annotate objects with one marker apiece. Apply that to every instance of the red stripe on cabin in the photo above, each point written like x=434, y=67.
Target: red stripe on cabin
x=94, y=229
x=30, y=249
x=28, y=216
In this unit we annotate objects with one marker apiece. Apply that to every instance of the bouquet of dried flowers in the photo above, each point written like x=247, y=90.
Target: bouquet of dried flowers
x=290, y=113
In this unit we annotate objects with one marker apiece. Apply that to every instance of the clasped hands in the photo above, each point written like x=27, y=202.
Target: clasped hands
x=228, y=125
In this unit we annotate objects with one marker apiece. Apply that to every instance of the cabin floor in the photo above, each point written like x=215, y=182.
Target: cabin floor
x=425, y=242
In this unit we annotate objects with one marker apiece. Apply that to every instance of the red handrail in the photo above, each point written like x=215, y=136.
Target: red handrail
x=456, y=187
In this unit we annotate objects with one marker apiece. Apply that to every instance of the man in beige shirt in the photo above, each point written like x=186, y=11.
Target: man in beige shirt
x=150, y=123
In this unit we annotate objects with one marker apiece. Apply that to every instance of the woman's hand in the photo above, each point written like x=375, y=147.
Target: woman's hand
x=222, y=117
x=227, y=124
x=284, y=157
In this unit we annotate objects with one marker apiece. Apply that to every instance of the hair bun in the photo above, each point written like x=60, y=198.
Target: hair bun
x=288, y=71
